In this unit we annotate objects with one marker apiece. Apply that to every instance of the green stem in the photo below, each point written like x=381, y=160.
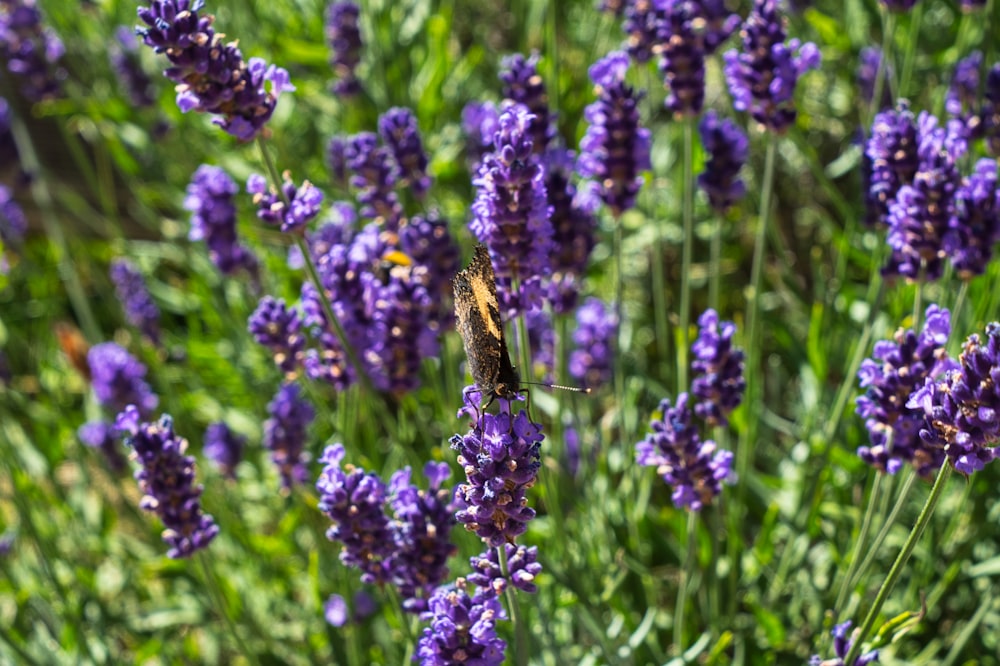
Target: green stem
x=686, y=257
x=911, y=49
x=619, y=309
x=881, y=74
x=897, y=567
x=883, y=532
x=859, y=543
x=715, y=264
x=552, y=48
x=520, y=631
x=687, y=574
x=219, y=601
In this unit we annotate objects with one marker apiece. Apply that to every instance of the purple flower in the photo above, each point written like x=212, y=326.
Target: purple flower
x=130, y=287
x=869, y=61
x=211, y=76
x=975, y=226
x=125, y=61
x=727, y=148
x=961, y=408
x=462, y=629
x=920, y=214
x=117, y=378
x=285, y=433
x=718, y=370
x=899, y=5
x=303, y=202
x=641, y=24
x=841, y=646
x=763, y=75
x=30, y=51
x=224, y=447
x=278, y=327
x=480, y=121
x=574, y=228
x=427, y=241
x=962, y=99
x=522, y=567
x=344, y=38
x=336, y=160
x=166, y=479
x=897, y=368
x=694, y=468
x=522, y=84
x=501, y=458
x=375, y=175
x=401, y=134
x=991, y=111
x=597, y=326
x=213, y=219
x=892, y=149
x=615, y=149
x=102, y=436
x=511, y=212
x=13, y=223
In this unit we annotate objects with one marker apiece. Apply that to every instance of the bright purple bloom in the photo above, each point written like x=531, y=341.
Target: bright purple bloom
x=211, y=76
x=133, y=79
x=166, y=479
x=117, y=378
x=694, y=468
x=278, y=327
x=285, y=433
x=842, y=643
x=594, y=337
x=522, y=565
x=892, y=150
x=130, y=287
x=335, y=610
x=962, y=99
x=30, y=51
x=102, y=436
x=763, y=75
x=511, y=212
x=615, y=149
x=869, y=61
x=897, y=368
x=574, y=228
x=303, y=205
x=727, y=149
x=975, y=226
x=718, y=370
x=522, y=84
x=400, y=133
x=224, y=447
x=501, y=457
x=13, y=223
x=344, y=37
x=210, y=197
x=375, y=174
x=462, y=629
x=641, y=24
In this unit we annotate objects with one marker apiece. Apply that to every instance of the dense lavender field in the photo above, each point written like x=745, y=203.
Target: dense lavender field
x=243, y=421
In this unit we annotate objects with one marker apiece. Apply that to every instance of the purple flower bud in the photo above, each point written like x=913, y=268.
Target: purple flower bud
x=213, y=219
x=590, y=361
x=224, y=447
x=166, y=479
x=285, y=434
x=480, y=121
x=344, y=38
x=117, y=378
x=335, y=610
x=303, y=202
x=30, y=51
x=125, y=61
x=641, y=25
x=462, y=629
x=140, y=310
x=975, y=225
x=399, y=131
x=718, y=370
x=842, y=644
x=102, y=436
x=427, y=241
x=727, y=148
x=522, y=567
x=522, y=84
x=892, y=150
x=277, y=327
x=375, y=174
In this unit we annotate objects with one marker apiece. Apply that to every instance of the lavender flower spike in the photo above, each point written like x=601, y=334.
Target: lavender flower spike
x=303, y=205
x=522, y=84
x=30, y=51
x=224, y=447
x=718, y=367
x=522, y=567
x=462, y=629
x=166, y=480
x=975, y=226
x=892, y=149
x=597, y=326
x=278, y=327
x=140, y=310
x=210, y=197
x=285, y=433
x=344, y=37
x=399, y=131
x=727, y=148
x=125, y=60
x=117, y=378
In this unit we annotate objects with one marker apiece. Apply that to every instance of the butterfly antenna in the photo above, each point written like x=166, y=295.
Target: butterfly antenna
x=562, y=387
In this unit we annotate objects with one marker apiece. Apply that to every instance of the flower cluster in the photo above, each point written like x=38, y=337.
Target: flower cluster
x=842, y=644
x=640, y=24
x=212, y=77
x=974, y=227
x=400, y=133
x=522, y=567
x=285, y=433
x=213, y=220
x=962, y=99
x=615, y=149
x=292, y=208
x=278, y=327
x=727, y=149
x=960, y=408
x=522, y=84
x=29, y=50
x=125, y=61
x=479, y=123
x=897, y=368
x=166, y=479
x=224, y=447
x=130, y=287
x=718, y=368
x=375, y=175
x=574, y=228
x=462, y=628
x=763, y=75
x=118, y=379
x=597, y=326
x=892, y=151
x=501, y=457
x=344, y=37
x=511, y=212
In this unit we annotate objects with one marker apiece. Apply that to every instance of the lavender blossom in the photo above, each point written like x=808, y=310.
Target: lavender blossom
x=694, y=468
x=278, y=327
x=975, y=226
x=962, y=99
x=30, y=51
x=501, y=458
x=212, y=77
x=842, y=644
x=344, y=37
x=718, y=370
x=401, y=134
x=427, y=241
x=335, y=610
x=511, y=213
x=615, y=149
x=13, y=223
x=762, y=77
x=897, y=368
x=574, y=228
x=641, y=24
x=375, y=174
x=597, y=326
x=166, y=479
x=303, y=205
x=117, y=378
x=727, y=149
x=522, y=84
x=522, y=567
x=102, y=436
x=140, y=310
x=213, y=219
x=285, y=434
x=224, y=447
x=480, y=121
x=462, y=629
x=990, y=112
x=133, y=79
x=892, y=149
x=869, y=61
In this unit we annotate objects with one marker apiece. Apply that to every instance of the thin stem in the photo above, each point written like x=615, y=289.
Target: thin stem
x=618, y=346
x=963, y=291
x=687, y=574
x=686, y=256
x=859, y=543
x=520, y=633
x=552, y=49
x=715, y=264
x=881, y=74
x=219, y=601
x=911, y=49
x=883, y=532
x=897, y=567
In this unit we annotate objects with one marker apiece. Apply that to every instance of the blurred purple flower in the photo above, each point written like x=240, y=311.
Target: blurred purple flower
x=462, y=629
x=125, y=60
x=574, y=228
x=597, y=326
x=213, y=219
x=335, y=610
x=972, y=5
x=130, y=288
x=400, y=133
x=991, y=111
x=375, y=174
x=869, y=60
x=892, y=149
x=224, y=447
x=975, y=226
x=522, y=84
x=336, y=160
x=30, y=51
x=641, y=24
x=480, y=121
x=285, y=434
x=303, y=202
x=344, y=37
x=117, y=378
x=522, y=568
x=962, y=100
x=727, y=149
x=102, y=436
x=166, y=479
x=13, y=223
x=278, y=327
x=842, y=643
x=718, y=370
